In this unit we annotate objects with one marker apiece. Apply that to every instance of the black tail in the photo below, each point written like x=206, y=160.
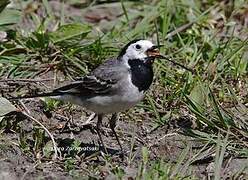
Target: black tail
x=48, y=94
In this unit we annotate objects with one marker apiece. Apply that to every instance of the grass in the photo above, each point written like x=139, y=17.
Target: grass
x=209, y=37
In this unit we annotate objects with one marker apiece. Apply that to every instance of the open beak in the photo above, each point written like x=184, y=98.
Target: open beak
x=153, y=52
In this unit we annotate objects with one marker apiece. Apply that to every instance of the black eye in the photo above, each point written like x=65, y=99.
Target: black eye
x=137, y=46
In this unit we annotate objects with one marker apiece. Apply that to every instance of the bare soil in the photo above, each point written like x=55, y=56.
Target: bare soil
x=166, y=142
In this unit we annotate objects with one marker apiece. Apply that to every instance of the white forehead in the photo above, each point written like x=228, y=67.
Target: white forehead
x=144, y=44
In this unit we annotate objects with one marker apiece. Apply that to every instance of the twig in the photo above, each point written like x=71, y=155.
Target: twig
x=90, y=119
x=51, y=136
x=24, y=106
x=26, y=80
x=167, y=135
x=176, y=63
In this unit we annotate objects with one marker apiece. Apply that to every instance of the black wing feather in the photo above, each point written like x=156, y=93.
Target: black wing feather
x=89, y=85
x=100, y=82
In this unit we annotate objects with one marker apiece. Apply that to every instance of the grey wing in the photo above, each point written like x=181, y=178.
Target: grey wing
x=103, y=80
x=87, y=86
x=112, y=70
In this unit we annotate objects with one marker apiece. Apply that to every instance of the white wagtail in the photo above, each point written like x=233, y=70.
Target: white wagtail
x=116, y=85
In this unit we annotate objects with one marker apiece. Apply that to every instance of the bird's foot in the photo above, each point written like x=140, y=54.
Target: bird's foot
x=121, y=155
x=69, y=125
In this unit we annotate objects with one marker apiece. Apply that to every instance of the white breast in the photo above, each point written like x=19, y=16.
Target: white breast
x=126, y=97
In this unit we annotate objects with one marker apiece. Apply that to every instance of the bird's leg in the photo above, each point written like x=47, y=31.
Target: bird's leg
x=112, y=124
x=98, y=130
x=69, y=124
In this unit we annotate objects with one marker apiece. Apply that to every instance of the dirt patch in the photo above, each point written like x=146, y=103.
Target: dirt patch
x=26, y=150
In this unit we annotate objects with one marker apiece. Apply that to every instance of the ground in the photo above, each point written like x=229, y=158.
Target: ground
x=191, y=124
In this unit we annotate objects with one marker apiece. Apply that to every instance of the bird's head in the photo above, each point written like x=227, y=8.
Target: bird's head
x=143, y=50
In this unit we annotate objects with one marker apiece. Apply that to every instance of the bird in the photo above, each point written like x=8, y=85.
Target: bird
x=114, y=86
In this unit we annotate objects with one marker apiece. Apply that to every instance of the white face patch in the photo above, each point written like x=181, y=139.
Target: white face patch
x=138, y=50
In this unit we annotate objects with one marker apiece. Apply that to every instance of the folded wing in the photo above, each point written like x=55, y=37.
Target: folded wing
x=88, y=86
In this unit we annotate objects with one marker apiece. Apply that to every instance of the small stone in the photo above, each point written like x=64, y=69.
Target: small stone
x=3, y=36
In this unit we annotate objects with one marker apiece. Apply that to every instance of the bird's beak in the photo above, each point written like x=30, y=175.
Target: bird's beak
x=153, y=52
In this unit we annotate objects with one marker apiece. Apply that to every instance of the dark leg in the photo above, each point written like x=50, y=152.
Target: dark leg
x=112, y=124
x=98, y=130
x=69, y=124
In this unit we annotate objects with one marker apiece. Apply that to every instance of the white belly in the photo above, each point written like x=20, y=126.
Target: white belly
x=128, y=97
x=112, y=104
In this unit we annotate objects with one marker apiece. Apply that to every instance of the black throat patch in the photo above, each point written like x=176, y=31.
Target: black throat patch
x=141, y=74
